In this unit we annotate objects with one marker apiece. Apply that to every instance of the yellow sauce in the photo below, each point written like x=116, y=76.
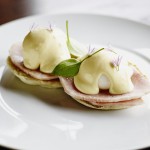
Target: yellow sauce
x=99, y=64
x=44, y=49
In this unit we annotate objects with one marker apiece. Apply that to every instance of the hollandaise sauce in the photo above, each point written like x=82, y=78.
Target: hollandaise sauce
x=44, y=49
x=100, y=65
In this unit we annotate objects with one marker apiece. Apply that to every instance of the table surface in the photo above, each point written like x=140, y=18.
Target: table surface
x=138, y=10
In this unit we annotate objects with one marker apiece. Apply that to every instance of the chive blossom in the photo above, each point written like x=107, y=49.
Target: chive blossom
x=116, y=62
x=91, y=50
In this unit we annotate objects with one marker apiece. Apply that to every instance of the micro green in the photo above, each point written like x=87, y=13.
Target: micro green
x=70, y=67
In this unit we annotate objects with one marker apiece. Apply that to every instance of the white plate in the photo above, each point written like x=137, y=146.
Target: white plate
x=32, y=117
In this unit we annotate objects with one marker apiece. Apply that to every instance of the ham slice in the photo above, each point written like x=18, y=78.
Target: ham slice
x=17, y=60
x=104, y=98
x=112, y=105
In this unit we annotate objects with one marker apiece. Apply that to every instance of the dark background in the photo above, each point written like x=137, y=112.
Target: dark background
x=14, y=9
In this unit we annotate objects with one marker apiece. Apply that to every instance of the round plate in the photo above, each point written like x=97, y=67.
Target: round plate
x=33, y=117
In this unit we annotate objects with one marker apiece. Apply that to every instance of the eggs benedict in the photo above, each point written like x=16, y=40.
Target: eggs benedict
x=105, y=80
x=34, y=60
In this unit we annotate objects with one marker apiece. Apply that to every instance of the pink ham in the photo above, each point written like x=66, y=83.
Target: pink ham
x=17, y=60
x=141, y=87
x=112, y=105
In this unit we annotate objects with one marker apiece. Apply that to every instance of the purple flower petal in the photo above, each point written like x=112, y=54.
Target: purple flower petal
x=91, y=50
x=116, y=62
x=33, y=26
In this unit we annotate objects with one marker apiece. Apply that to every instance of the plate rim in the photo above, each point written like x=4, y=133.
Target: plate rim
x=74, y=14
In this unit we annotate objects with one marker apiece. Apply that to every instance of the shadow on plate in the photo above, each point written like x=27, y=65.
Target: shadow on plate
x=54, y=97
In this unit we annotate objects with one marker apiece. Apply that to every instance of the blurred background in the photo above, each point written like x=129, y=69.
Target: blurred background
x=132, y=9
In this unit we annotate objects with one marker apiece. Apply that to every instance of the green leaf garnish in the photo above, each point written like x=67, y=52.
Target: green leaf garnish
x=70, y=67
x=69, y=45
x=67, y=68
x=75, y=48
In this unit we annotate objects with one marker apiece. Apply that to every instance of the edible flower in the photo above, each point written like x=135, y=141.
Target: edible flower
x=116, y=62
